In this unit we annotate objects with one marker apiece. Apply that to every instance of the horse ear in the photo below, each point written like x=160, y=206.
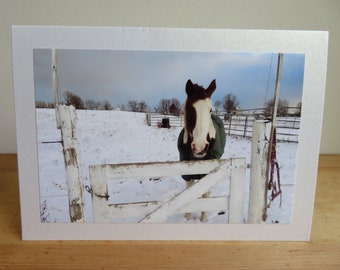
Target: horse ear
x=211, y=88
x=189, y=87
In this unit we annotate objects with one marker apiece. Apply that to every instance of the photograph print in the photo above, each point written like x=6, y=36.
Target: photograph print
x=129, y=136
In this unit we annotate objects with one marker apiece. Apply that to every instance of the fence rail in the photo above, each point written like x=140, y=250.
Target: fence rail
x=239, y=124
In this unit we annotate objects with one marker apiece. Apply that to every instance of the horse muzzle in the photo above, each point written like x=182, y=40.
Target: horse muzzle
x=199, y=152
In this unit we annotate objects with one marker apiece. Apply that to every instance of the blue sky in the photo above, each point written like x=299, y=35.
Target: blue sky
x=120, y=76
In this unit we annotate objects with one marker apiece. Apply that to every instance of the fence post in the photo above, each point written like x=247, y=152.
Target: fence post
x=245, y=126
x=68, y=120
x=230, y=120
x=56, y=93
x=258, y=172
x=148, y=119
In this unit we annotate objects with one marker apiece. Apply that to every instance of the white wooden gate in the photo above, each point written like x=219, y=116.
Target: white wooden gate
x=187, y=201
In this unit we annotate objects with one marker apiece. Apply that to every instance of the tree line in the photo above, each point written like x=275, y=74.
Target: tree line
x=69, y=98
x=229, y=104
x=165, y=106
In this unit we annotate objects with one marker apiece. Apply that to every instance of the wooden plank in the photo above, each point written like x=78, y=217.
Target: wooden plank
x=140, y=209
x=100, y=207
x=205, y=204
x=159, y=169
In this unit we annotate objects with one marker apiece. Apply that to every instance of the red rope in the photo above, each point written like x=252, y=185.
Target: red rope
x=275, y=188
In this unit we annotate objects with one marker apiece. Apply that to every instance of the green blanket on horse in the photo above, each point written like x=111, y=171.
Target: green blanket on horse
x=215, y=151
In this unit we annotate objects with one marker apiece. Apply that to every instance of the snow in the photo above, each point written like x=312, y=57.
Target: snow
x=111, y=137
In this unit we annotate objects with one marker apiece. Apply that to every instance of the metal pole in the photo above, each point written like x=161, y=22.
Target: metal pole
x=277, y=87
x=274, y=115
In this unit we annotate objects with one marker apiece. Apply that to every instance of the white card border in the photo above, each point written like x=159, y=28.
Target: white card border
x=313, y=44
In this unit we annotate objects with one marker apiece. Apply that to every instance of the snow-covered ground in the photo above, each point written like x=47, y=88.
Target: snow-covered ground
x=108, y=137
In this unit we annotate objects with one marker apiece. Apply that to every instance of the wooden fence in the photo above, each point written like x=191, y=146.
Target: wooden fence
x=238, y=124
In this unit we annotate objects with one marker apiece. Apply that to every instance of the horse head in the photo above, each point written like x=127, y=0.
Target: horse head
x=199, y=130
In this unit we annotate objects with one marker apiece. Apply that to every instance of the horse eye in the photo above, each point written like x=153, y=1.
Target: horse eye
x=210, y=110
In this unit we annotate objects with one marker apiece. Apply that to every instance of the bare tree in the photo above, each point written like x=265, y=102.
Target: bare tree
x=106, y=105
x=230, y=103
x=282, y=107
x=133, y=105
x=92, y=104
x=142, y=107
x=72, y=99
x=44, y=104
x=175, y=107
x=164, y=106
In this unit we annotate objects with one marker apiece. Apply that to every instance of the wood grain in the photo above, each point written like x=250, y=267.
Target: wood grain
x=322, y=252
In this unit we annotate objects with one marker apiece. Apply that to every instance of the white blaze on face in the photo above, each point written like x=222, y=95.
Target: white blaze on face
x=203, y=127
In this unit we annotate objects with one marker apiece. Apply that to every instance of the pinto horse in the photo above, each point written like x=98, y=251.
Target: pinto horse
x=203, y=136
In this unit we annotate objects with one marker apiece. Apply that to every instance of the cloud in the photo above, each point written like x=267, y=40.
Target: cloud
x=120, y=76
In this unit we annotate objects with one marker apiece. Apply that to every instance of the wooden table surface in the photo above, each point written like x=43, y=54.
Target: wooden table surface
x=322, y=252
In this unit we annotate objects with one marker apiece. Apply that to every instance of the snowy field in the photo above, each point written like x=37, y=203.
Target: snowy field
x=108, y=137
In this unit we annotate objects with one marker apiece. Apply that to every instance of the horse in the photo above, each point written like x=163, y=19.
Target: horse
x=203, y=136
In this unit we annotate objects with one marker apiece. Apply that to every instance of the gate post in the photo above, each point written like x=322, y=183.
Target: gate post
x=71, y=149
x=258, y=172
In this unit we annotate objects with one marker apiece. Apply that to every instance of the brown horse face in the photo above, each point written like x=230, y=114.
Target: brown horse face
x=199, y=129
